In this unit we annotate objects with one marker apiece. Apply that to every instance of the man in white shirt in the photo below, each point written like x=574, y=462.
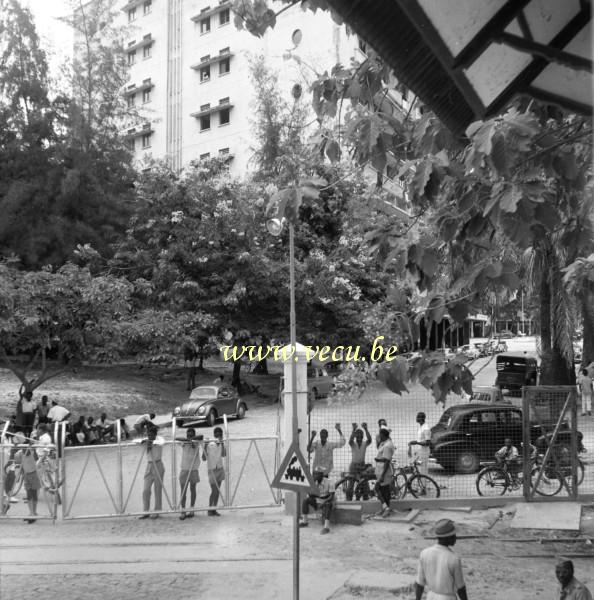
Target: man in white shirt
x=28, y=407
x=188, y=474
x=57, y=413
x=440, y=570
x=321, y=497
x=143, y=422
x=384, y=472
x=324, y=450
x=214, y=452
x=155, y=471
x=422, y=443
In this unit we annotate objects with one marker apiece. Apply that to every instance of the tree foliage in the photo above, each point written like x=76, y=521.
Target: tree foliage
x=67, y=315
x=515, y=184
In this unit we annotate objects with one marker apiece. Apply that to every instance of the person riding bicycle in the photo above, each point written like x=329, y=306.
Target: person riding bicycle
x=508, y=454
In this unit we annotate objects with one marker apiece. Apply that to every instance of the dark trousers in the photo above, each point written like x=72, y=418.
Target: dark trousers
x=28, y=420
x=384, y=492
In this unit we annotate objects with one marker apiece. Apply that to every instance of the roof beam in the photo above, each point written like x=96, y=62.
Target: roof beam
x=574, y=105
x=538, y=65
x=477, y=45
x=567, y=59
x=524, y=27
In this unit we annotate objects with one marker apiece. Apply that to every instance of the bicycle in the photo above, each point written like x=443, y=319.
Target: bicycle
x=495, y=480
x=13, y=478
x=48, y=475
x=408, y=479
x=356, y=484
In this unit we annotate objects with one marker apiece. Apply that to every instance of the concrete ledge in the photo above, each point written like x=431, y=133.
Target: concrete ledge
x=392, y=583
x=347, y=515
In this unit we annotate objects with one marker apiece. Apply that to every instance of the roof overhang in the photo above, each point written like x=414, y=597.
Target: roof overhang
x=467, y=59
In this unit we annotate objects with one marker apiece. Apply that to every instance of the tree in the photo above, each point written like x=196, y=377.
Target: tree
x=278, y=127
x=518, y=178
x=66, y=313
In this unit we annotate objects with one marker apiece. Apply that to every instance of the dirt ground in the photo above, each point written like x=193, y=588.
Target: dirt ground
x=248, y=554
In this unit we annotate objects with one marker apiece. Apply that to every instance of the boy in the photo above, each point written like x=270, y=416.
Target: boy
x=188, y=475
x=213, y=455
x=27, y=458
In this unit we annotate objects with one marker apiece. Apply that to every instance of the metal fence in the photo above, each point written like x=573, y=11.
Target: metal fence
x=108, y=480
x=465, y=438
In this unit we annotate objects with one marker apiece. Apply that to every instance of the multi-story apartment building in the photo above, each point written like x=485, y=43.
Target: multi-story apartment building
x=190, y=77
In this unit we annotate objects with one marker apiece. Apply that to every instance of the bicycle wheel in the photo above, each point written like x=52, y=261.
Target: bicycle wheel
x=422, y=486
x=491, y=481
x=13, y=479
x=550, y=482
x=341, y=487
x=398, y=488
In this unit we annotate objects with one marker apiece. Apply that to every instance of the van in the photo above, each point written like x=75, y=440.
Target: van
x=514, y=371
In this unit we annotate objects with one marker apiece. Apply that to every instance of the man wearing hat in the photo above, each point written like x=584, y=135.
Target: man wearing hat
x=571, y=588
x=440, y=570
x=321, y=497
x=422, y=442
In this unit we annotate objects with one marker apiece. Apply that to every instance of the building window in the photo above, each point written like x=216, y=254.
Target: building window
x=146, y=51
x=223, y=151
x=224, y=116
x=224, y=17
x=205, y=25
x=132, y=15
x=132, y=57
x=204, y=122
x=146, y=95
x=147, y=6
x=205, y=156
x=224, y=66
x=146, y=140
x=205, y=73
x=131, y=100
x=131, y=143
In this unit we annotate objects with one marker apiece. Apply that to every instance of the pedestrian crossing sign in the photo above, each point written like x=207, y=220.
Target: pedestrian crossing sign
x=293, y=473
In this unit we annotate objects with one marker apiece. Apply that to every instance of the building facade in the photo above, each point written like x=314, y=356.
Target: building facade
x=190, y=76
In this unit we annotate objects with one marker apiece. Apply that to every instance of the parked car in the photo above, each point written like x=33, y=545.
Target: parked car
x=515, y=371
x=207, y=403
x=319, y=382
x=470, y=352
x=467, y=434
x=486, y=394
x=505, y=334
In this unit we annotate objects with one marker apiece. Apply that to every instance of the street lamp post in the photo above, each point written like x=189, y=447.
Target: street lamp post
x=275, y=227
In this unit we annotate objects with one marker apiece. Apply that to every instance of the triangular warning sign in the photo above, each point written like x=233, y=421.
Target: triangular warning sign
x=293, y=473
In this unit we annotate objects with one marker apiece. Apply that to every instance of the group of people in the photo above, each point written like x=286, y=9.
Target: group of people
x=194, y=448
x=87, y=430
x=360, y=439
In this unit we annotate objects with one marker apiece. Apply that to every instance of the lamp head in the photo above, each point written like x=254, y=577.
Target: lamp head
x=275, y=226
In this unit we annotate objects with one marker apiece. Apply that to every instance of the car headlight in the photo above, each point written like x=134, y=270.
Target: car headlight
x=201, y=410
x=176, y=410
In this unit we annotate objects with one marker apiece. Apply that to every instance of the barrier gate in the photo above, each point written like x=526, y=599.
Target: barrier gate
x=81, y=482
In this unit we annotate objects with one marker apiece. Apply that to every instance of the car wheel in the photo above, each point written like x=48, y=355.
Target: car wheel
x=467, y=462
x=241, y=411
x=211, y=418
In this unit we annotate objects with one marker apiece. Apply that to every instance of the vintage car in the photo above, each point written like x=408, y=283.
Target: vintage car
x=488, y=395
x=207, y=403
x=468, y=434
x=515, y=370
